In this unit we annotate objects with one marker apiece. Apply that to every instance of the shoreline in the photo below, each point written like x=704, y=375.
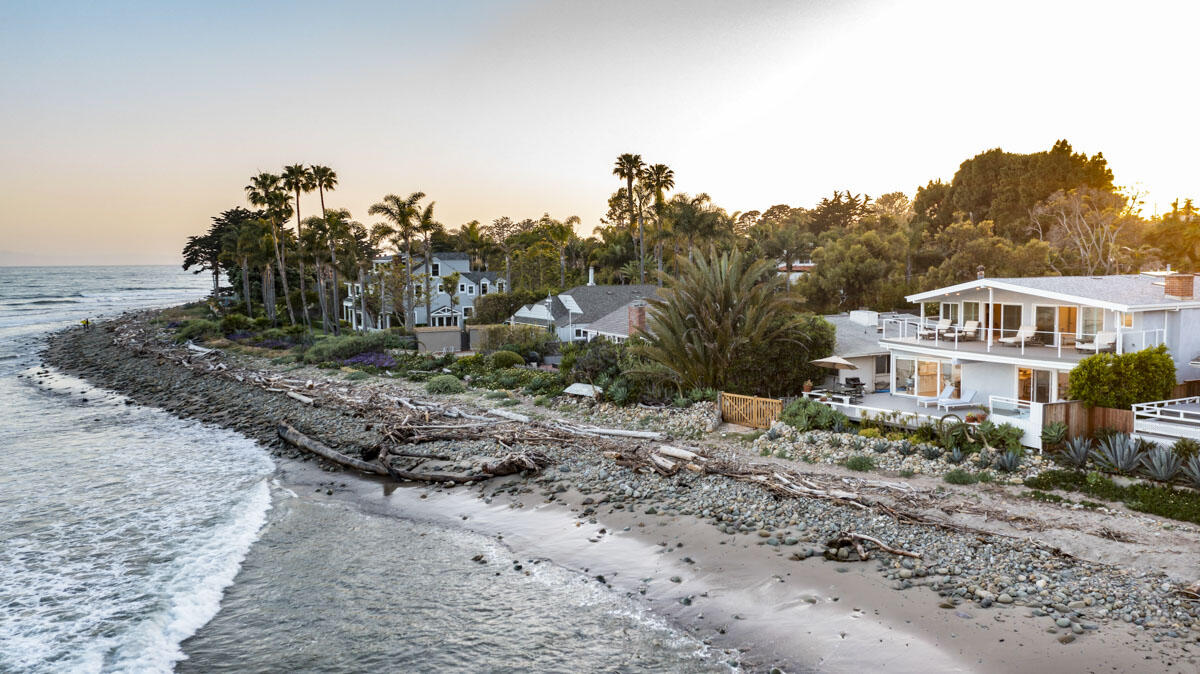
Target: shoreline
x=843, y=616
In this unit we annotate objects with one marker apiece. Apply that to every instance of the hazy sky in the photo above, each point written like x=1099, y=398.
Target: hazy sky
x=126, y=126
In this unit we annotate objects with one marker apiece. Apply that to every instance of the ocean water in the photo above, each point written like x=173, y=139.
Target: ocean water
x=134, y=541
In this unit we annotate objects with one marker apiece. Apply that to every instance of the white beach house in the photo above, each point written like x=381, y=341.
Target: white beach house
x=471, y=285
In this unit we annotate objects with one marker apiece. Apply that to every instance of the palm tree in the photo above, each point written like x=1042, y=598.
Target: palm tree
x=474, y=241
x=720, y=305
x=629, y=167
x=325, y=180
x=659, y=178
x=297, y=178
x=427, y=227
x=265, y=191
x=401, y=213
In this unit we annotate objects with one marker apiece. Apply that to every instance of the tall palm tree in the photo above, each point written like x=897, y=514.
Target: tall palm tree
x=298, y=178
x=473, y=239
x=326, y=180
x=659, y=178
x=266, y=192
x=401, y=214
x=628, y=168
x=427, y=227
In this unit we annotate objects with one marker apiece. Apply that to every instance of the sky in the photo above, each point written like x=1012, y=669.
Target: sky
x=128, y=125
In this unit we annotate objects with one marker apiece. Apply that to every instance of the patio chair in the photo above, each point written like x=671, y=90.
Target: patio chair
x=930, y=333
x=1027, y=334
x=1103, y=341
x=967, y=399
x=968, y=330
x=946, y=394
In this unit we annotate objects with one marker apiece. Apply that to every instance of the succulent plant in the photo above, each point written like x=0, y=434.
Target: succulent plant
x=1076, y=452
x=1185, y=448
x=835, y=441
x=905, y=447
x=858, y=443
x=1008, y=462
x=1118, y=453
x=956, y=456
x=1191, y=470
x=880, y=446
x=1161, y=464
x=930, y=451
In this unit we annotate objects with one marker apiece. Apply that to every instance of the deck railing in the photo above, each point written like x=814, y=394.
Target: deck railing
x=1167, y=418
x=926, y=331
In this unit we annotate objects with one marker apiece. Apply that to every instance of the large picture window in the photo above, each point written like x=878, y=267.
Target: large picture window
x=970, y=311
x=906, y=370
x=950, y=310
x=1091, y=321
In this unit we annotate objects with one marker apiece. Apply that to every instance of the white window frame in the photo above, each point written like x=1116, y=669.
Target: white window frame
x=435, y=268
x=471, y=290
x=1054, y=330
x=955, y=308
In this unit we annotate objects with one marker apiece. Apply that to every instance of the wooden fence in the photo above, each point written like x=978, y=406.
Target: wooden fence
x=1081, y=420
x=750, y=411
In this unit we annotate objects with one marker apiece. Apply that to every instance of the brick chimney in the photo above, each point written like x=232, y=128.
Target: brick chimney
x=1179, y=286
x=637, y=317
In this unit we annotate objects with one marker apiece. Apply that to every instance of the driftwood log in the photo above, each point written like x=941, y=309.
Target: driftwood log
x=295, y=437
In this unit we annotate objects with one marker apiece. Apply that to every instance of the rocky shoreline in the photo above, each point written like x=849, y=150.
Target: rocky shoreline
x=1069, y=610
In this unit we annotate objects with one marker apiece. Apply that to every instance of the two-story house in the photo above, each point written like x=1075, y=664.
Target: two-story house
x=443, y=311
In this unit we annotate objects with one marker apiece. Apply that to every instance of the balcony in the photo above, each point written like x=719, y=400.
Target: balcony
x=1029, y=345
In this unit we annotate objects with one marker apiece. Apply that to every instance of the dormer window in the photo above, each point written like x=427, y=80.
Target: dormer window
x=436, y=269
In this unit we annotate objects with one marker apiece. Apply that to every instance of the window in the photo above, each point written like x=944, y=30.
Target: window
x=1064, y=383
x=436, y=269
x=883, y=364
x=1091, y=321
x=1033, y=385
x=441, y=289
x=950, y=310
x=483, y=288
x=1127, y=320
x=1007, y=317
x=462, y=287
x=1068, y=321
x=906, y=369
x=467, y=311
x=470, y=290
x=578, y=332
x=970, y=311
x=1043, y=318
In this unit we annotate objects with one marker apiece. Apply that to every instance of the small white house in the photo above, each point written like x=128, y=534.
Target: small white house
x=576, y=314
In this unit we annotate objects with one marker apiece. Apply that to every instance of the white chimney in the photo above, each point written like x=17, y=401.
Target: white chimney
x=591, y=276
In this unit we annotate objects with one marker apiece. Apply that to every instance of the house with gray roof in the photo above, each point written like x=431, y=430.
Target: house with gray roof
x=576, y=313
x=858, y=334
x=443, y=311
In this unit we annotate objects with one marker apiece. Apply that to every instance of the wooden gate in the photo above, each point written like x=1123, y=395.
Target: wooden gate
x=750, y=411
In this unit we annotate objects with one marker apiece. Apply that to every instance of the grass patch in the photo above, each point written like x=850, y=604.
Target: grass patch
x=509, y=402
x=357, y=375
x=907, y=472
x=496, y=395
x=861, y=463
x=1176, y=504
x=959, y=476
x=445, y=383
x=1047, y=497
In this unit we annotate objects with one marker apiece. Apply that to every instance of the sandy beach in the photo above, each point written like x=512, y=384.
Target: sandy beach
x=764, y=591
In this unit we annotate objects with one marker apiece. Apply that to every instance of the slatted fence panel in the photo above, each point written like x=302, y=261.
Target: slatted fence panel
x=1082, y=421
x=749, y=410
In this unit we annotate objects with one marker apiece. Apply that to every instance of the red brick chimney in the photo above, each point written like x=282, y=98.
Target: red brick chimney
x=637, y=317
x=1179, y=286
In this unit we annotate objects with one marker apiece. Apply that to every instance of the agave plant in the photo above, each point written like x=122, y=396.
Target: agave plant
x=1076, y=452
x=931, y=452
x=1118, y=453
x=858, y=443
x=905, y=448
x=956, y=455
x=835, y=441
x=1008, y=462
x=880, y=446
x=1161, y=464
x=1191, y=470
x=1053, y=434
x=984, y=459
x=1185, y=448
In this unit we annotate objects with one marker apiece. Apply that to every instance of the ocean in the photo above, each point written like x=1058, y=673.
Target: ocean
x=134, y=541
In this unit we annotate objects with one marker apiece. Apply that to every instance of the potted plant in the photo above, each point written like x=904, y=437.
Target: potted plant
x=808, y=386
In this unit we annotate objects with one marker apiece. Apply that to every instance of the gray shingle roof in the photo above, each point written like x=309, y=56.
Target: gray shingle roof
x=477, y=276
x=855, y=339
x=614, y=323
x=1117, y=290
x=600, y=301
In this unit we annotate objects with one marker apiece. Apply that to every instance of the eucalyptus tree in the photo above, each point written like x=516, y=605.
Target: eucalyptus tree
x=629, y=167
x=401, y=214
x=298, y=178
x=659, y=178
x=265, y=191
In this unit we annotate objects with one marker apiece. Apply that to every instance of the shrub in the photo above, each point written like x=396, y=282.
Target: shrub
x=1160, y=463
x=925, y=433
x=357, y=375
x=1118, y=453
x=618, y=392
x=1185, y=448
x=597, y=358
x=870, y=433
x=346, y=346
x=1178, y=504
x=505, y=359
x=235, y=323
x=496, y=395
x=198, y=329
x=1121, y=381
x=698, y=395
x=1076, y=452
x=522, y=339
x=445, y=384
x=896, y=436
x=835, y=442
x=1053, y=435
x=905, y=448
x=907, y=473
x=861, y=463
x=681, y=401
x=1004, y=437
x=959, y=476
x=805, y=414
x=474, y=366
x=371, y=359
x=984, y=477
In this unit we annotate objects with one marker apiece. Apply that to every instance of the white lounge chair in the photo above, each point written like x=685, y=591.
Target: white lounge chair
x=946, y=394
x=968, y=330
x=967, y=399
x=930, y=333
x=1025, y=335
x=1104, y=341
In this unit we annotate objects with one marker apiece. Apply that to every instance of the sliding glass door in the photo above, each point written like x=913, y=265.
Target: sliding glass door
x=1033, y=385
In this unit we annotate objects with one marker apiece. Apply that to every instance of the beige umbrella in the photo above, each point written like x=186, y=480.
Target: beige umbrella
x=835, y=362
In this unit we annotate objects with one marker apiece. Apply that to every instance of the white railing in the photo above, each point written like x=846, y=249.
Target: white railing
x=918, y=331
x=1167, y=418
x=1021, y=413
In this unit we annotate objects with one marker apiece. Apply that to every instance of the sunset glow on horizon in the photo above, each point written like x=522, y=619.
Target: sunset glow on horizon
x=129, y=125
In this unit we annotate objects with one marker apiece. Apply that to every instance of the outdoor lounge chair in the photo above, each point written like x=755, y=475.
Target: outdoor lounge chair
x=965, y=400
x=968, y=330
x=1103, y=341
x=930, y=333
x=946, y=394
x=1026, y=335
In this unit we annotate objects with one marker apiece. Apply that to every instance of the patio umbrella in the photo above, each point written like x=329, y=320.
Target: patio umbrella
x=835, y=362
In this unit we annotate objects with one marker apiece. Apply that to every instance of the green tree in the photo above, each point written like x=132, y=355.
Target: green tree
x=1121, y=381
x=401, y=214
x=721, y=305
x=858, y=269
x=659, y=178
x=963, y=247
x=266, y=191
x=325, y=179
x=427, y=227
x=629, y=168
x=298, y=178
